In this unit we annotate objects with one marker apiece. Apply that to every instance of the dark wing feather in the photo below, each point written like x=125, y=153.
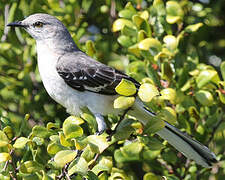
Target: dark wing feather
x=90, y=75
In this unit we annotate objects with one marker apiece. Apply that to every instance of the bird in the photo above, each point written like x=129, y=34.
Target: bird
x=75, y=80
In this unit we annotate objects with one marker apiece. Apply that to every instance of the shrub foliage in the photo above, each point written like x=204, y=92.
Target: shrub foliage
x=174, y=48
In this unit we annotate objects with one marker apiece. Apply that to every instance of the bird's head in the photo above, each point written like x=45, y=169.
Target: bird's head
x=41, y=26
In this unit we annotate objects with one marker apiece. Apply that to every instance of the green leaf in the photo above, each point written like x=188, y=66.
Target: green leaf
x=123, y=102
x=168, y=114
x=193, y=27
x=4, y=157
x=151, y=44
x=221, y=96
x=124, y=41
x=64, y=157
x=167, y=72
x=168, y=94
x=119, y=24
x=39, y=141
x=204, y=97
x=74, y=120
x=126, y=13
x=71, y=127
x=222, y=69
x=128, y=31
x=151, y=142
x=174, y=12
x=64, y=141
x=21, y=142
x=79, y=166
x=29, y=167
x=206, y=76
x=171, y=42
x=8, y=131
x=154, y=124
x=90, y=48
x=3, y=139
x=147, y=91
x=130, y=152
x=41, y=131
x=51, y=125
x=151, y=176
x=54, y=147
x=126, y=88
x=124, y=130
x=105, y=164
x=97, y=143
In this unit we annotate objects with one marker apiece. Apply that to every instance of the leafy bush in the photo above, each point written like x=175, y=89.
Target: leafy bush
x=173, y=48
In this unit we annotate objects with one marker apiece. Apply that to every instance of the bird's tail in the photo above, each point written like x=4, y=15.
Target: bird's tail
x=191, y=148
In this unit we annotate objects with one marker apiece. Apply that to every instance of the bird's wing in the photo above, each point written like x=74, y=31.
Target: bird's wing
x=81, y=72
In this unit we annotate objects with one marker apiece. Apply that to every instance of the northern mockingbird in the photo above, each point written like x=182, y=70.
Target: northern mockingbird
x=75, y=80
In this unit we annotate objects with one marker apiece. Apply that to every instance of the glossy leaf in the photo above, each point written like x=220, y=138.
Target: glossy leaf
x=171, y=42
x=3, y=139
x=174, y=12
x=97, y=143
x=147, y=91
x=65, y=156
x=206, y=76
x=4, y=157
x=79, y=166
x=204, y=97
x=71, y=127
x=126, y=88
x=123, y=102
x=168, y=94
x=193, y=27
x=119, y=24
x=150, y=44
x=21, y=142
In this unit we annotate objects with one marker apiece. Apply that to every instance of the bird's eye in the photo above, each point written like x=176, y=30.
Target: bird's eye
x=38, y=24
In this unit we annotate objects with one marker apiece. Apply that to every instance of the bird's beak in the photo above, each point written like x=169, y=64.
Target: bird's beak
x=17, y=24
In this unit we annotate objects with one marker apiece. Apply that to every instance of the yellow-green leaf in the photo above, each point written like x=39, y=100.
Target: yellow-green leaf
x=171, y=42
x=174, y=12
x=147, y=91
x=149, y=43
x=29, y=167
x=168, y=94
x=63, y=141
x=21, y=142
x=64, y=157
x=8, y=131
x=3, y=139
x=54, y=147
x=123, y=102
x=4, y=157
x=168, y=114
x=193, y=27
x=204, y=97
x=126, y=88
x=97, y=143
x=206, y=76
x=120, y=23
x=71, y=127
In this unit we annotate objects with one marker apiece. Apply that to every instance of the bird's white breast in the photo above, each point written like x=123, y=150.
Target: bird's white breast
x=71, y=99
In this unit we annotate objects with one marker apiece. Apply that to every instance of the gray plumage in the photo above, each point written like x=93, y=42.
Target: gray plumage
x=75, y=80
